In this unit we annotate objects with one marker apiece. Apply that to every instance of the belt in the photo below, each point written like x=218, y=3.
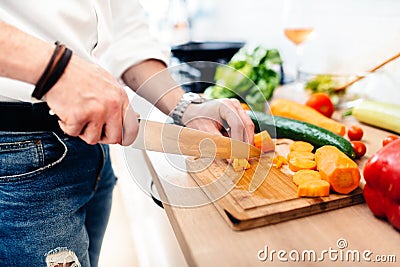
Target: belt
x=27, y=117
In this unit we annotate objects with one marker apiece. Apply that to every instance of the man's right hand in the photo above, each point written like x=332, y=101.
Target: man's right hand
x=92, y=105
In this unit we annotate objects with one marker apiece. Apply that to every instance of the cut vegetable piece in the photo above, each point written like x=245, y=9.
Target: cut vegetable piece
x=264, y=141
x=313, y=188
x=293, y=110
x=240, y=165
x=339, y=170
x=301, y=154
x=297, y=164
x=301, y=146
x=305, y=175
x=279, y=161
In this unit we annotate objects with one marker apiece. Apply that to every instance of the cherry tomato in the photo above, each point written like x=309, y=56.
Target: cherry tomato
x=355, y=133
x=322, y=103
x=388, y=139
x=359, y=148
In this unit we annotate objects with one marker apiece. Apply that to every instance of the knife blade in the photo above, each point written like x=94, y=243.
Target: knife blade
x=174, y=139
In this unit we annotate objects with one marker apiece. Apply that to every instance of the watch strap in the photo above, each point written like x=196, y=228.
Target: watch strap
x=184, y=102
x=178, y=111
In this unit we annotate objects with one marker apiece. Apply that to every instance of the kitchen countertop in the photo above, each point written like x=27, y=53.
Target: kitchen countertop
x=337, y=237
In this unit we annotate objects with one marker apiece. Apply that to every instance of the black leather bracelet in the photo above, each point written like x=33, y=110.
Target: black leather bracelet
x=58, y=70
x=55, y=68
x=45, y=75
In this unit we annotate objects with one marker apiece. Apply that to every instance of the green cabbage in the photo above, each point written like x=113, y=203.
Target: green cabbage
x=249, y=76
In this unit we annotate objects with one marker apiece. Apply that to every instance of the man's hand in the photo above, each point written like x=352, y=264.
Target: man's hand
x=213, y=116
x=152, y=80
x=92, y=105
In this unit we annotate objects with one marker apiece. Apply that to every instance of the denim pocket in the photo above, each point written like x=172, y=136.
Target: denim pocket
x=23, y=155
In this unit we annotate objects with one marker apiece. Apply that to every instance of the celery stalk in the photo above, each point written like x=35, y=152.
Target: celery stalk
x=379, y=114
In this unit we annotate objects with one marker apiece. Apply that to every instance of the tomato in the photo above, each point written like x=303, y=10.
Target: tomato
x=388, y=139
x=355, y=133
x=322, y=103
x=359, y=148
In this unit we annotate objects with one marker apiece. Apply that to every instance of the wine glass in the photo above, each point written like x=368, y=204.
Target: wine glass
x=298, y=26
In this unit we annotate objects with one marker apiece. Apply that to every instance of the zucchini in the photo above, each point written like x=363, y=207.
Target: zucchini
x=379, y=114
x=280, y=127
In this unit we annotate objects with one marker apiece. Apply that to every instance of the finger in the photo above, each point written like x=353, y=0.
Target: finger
x=112, y=133
x=248, y=126
x=246, y=123
x=237, y=129
x=130, y=126
x=229, y=112
x=205, y=124
x=71, y=129
x=112, y=130
x=92, y=133
x=73, y=124
x=211, y=128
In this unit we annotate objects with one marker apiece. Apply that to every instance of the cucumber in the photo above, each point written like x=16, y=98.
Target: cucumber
x=280, y=127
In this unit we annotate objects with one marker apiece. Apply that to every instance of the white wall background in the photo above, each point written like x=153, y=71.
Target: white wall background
x=350, y=36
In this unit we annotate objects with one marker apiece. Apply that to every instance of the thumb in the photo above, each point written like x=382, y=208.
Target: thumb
x=130, y=127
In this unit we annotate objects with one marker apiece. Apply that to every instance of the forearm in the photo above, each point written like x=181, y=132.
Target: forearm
x=151, y=80
x=22, y=57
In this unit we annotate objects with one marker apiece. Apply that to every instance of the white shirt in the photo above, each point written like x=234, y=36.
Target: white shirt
x=111, y=33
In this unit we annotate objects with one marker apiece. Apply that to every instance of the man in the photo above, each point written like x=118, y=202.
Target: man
x=56, y=178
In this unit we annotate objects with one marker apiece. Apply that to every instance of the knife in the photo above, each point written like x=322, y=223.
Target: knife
x=174, y=139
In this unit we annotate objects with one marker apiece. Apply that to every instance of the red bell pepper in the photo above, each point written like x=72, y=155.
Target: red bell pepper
x=382, y=189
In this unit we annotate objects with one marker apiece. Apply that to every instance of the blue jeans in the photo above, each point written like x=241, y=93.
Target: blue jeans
x=55, y=199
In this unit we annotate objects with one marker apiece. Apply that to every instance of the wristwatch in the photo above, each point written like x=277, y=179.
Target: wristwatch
x=186, y=100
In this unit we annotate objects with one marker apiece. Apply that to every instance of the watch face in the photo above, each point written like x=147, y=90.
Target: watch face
x=190, y=96
x=198, y=101
x=193, y=98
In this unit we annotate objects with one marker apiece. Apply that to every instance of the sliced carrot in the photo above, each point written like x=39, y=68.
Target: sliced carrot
x=301, y=154
x=240, y=165
x=338, y=169
x=279, y=161
x=301, y=146
x=280, y=158
x=305, y=175
x=297, y=164
x=313, y=188
x=264, y=141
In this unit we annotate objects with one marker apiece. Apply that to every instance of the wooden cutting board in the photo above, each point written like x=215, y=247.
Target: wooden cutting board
x=274, y=201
